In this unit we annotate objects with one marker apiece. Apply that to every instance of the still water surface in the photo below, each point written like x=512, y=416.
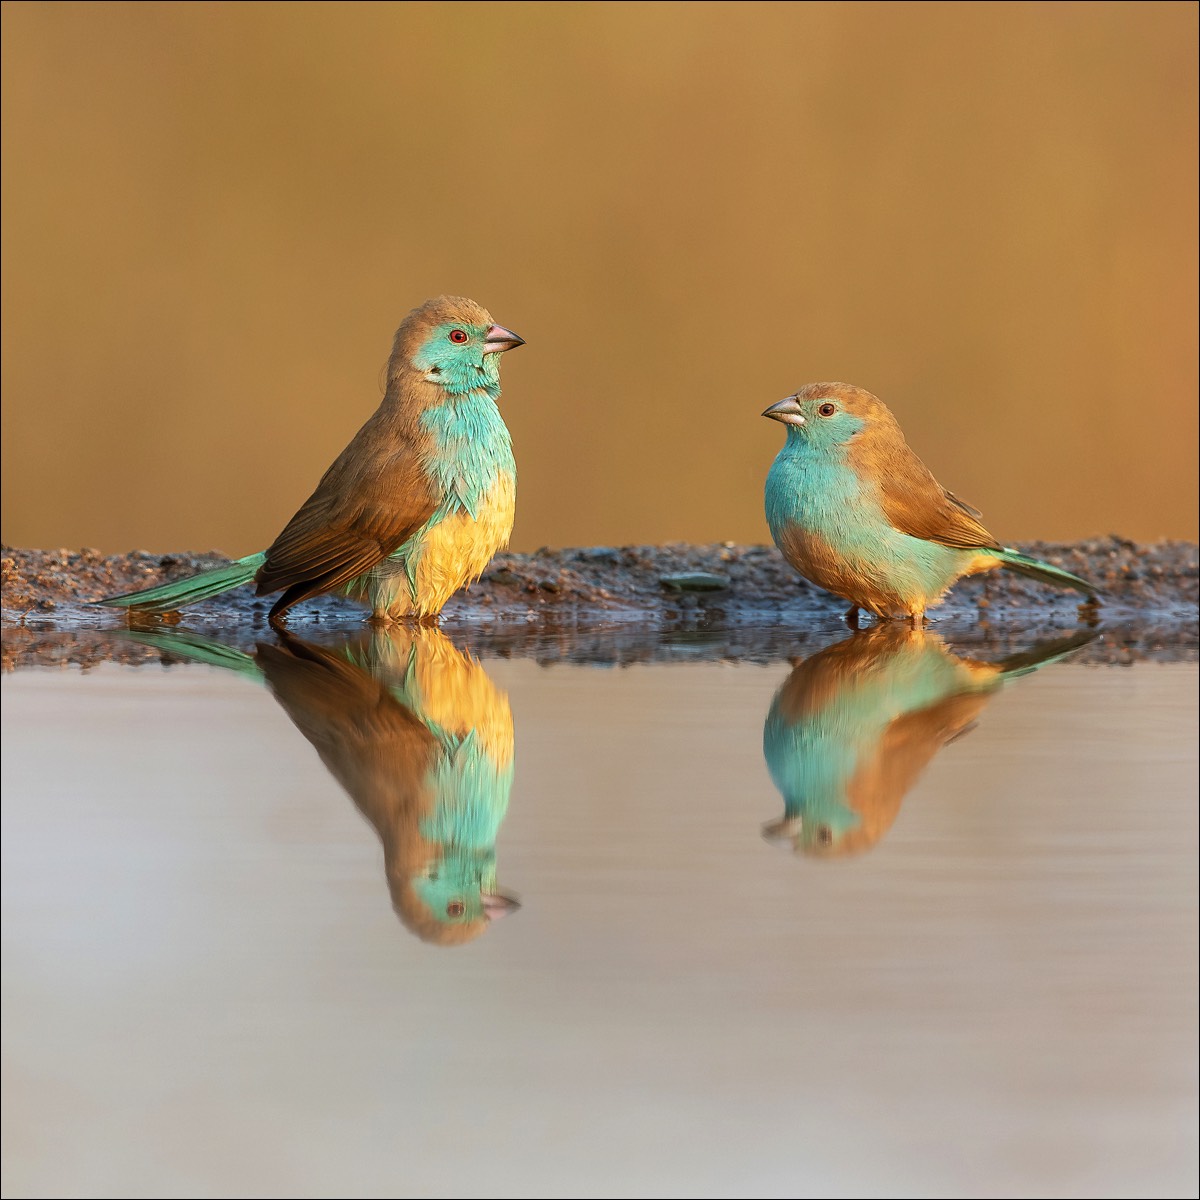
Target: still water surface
x=783, y=930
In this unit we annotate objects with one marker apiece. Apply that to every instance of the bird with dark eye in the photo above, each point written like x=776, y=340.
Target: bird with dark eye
x=458, y=335
x=455, y=908
x=894, y=540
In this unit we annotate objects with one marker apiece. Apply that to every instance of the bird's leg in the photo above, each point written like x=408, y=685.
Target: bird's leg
x=852, y=616
x=917, y=619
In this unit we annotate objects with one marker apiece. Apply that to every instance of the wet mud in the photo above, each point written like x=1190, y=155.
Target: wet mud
x=608, y=604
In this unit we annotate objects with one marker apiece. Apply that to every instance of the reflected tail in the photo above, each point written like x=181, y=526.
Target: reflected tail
x=199, y=649
x=1042, y=654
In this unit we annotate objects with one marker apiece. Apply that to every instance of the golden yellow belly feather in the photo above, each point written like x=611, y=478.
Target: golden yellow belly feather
x=453, y=553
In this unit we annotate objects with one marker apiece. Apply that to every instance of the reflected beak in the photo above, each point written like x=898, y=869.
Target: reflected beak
x=782, y=832
x=500, y=339
x=496, y=904
x=786, y=410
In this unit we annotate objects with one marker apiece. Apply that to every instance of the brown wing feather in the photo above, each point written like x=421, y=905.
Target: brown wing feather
x=372, y=745
x=970, y=510
x=912, y=499
x=374, y=497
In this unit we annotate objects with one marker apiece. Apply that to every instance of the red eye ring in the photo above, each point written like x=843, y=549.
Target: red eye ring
x=458, y=335
x=827, y=410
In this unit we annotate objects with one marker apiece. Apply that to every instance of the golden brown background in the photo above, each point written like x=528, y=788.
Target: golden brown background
x=215, y=216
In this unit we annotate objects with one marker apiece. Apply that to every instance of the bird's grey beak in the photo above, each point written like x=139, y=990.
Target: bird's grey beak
x=786, y=410
x=497, y=905
x=500, y=339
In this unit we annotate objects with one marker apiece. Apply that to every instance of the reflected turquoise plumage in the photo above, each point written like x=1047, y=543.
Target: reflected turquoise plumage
x=853, y=726
x=421, y=740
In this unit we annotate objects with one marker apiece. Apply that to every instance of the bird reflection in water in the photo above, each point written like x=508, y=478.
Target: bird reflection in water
x=421, y=739
x=853, y=727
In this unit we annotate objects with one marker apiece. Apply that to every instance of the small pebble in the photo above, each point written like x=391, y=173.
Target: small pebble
x=695, y=581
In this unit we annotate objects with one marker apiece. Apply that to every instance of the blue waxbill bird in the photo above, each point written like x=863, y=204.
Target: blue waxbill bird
x=416, y=505
x=853, y=727
x=419, y=737
x=853, y=509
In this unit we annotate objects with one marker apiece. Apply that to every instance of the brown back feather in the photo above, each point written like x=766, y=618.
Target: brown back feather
x=913, y=501
x=371, y=744
x=373, y=498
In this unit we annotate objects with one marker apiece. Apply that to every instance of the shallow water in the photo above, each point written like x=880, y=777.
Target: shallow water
x=956, y=965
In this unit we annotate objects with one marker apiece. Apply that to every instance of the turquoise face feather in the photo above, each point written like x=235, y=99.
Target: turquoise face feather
x=458, y=367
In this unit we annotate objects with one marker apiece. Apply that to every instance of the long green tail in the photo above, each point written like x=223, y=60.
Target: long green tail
x=169, y=596
x=1034, y=568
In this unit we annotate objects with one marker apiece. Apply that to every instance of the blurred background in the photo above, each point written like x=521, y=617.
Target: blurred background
x=214, y=217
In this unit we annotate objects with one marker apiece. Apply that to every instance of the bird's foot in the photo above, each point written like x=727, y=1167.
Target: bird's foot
x=851, y=616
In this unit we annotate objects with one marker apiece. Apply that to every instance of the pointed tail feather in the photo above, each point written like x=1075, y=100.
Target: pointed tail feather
x=169, y=596
x=1034, y=568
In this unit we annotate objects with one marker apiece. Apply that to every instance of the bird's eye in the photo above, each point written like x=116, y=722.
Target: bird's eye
x=827, y=410
x=458, y=335
x=824, y=833
x=455, y=908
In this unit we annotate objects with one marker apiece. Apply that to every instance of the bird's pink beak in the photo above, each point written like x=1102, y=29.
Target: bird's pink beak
x=497, y=905
x=500, y=339
x=786, y=410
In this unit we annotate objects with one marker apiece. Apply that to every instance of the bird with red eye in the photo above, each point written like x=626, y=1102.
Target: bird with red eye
x=415, y=506
x=455, y=908
x=827, y=410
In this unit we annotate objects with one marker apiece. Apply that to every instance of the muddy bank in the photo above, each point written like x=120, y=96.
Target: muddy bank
x=662, y=581
x=626, y=604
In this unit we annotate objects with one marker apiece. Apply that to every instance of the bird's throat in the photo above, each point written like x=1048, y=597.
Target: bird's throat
x=463, y=378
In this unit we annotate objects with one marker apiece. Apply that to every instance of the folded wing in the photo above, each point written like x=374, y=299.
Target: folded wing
x=368, y=504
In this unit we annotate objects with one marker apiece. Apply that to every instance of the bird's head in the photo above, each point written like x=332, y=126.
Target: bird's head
x=829, y=414
x=452, y=342
x=451, y=898
x=813, y=836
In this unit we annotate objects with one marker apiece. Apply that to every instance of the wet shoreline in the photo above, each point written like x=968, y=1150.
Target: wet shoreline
x=626, y=604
